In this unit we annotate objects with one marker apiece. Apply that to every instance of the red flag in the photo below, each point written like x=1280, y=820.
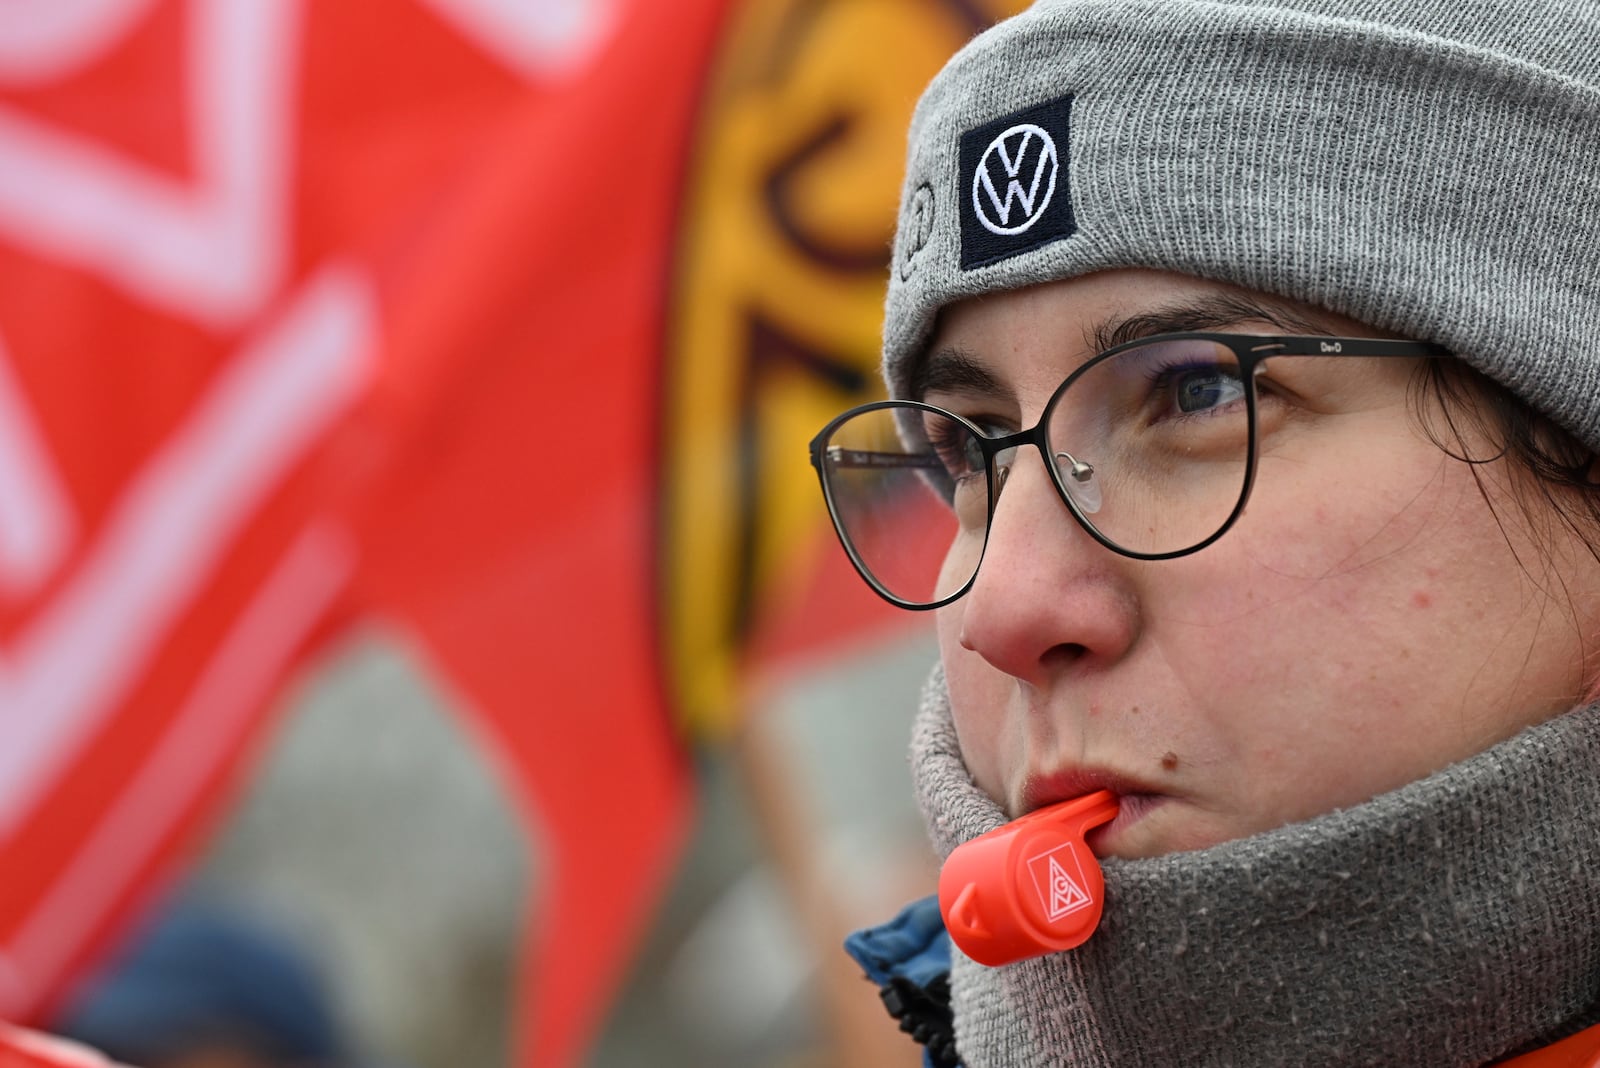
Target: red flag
x=521, y=543
x=266, y=271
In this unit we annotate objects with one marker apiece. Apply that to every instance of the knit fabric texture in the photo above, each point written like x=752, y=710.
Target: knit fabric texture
x=1450, y=922
x=1429, y=167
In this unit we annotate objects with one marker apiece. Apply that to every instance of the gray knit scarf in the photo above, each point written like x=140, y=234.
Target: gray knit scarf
x=1450, y=922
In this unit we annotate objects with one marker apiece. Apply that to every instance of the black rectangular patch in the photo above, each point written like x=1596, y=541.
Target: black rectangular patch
x=1014, y=193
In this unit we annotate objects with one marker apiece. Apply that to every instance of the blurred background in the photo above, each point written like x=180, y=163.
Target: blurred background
x=421, y=640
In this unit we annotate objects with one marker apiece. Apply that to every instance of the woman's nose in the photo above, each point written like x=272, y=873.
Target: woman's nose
x=1047, y=595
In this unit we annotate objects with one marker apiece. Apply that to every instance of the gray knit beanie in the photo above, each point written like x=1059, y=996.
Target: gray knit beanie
x=1429, y=167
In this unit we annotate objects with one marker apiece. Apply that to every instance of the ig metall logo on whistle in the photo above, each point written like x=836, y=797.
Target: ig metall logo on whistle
x=1028, y=888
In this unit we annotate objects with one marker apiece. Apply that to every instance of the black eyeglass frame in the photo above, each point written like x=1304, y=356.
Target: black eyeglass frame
x=1251, y=350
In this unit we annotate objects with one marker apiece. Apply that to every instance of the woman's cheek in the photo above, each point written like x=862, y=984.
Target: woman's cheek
x=977, y=705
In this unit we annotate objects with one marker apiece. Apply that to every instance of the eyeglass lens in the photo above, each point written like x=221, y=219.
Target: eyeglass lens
x=1151, y=445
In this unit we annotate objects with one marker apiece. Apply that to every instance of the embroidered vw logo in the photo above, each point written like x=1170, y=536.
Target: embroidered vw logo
x=1017, y=171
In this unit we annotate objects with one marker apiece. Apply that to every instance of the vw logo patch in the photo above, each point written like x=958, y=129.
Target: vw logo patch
x=1015, y=179
x=1014, y=183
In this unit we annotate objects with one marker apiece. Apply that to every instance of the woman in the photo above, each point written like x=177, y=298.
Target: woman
x=1299, y=301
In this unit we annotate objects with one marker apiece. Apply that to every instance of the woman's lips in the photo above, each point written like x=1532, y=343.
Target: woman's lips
x=1041, y=789
x=1135, y=800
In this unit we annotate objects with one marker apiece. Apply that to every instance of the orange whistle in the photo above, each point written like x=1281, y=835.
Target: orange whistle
x=1028, y=888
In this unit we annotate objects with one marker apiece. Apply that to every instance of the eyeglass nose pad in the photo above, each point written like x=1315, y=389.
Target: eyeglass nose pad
x=1082, y=486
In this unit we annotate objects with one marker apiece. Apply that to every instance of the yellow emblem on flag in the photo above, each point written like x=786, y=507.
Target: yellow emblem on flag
x=782, y=256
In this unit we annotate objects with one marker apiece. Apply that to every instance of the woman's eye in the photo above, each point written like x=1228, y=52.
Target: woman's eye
x=973, y=454
x=1204, y=389
x=959, y=452
x=958, y=449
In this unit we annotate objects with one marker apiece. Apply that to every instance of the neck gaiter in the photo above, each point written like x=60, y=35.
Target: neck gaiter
x=1450, y=922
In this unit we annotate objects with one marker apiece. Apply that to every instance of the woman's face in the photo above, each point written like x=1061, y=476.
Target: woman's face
x=1367, y=621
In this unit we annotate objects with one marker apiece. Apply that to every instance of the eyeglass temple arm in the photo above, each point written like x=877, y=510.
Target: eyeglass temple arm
x=839, y=456
x=1348, y=346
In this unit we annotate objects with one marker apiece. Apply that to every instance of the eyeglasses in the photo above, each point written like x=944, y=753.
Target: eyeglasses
x=1152, y=446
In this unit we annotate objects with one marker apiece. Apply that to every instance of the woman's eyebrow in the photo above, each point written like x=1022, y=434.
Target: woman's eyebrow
x=1210, y=312
x=953, y=370
x=956, y=369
